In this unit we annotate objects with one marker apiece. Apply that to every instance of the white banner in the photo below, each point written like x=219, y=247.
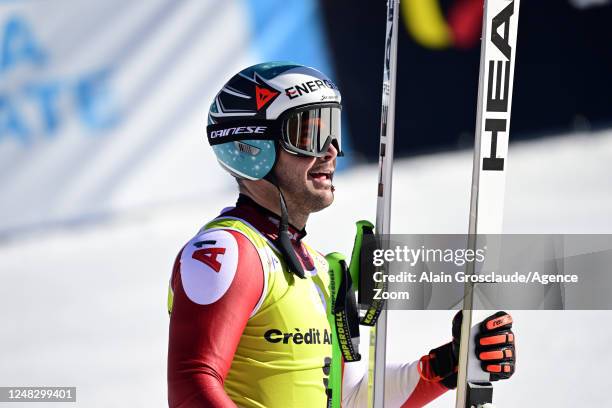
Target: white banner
x=103, y=104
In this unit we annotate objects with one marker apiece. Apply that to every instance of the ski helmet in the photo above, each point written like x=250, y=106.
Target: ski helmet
x=270, y=106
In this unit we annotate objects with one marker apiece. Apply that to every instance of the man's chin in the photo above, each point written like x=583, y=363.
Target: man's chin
x=322, y=199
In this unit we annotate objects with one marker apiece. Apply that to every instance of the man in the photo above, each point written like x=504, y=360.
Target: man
x=248, y=296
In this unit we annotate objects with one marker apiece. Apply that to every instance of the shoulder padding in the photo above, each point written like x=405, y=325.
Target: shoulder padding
x=209, y=262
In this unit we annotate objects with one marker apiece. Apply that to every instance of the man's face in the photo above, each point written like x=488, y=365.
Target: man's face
x=306, y=182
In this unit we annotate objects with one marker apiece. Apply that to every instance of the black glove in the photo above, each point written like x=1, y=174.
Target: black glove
x=494, y=348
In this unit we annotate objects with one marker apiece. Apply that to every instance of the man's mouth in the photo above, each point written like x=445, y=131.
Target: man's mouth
x=321, y=175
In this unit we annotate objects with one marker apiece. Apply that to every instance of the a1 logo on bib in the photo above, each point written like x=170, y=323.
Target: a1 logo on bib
x=208, y=255
x=208, y=266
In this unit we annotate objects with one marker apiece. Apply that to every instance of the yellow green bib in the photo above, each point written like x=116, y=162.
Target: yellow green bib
x=285, y=351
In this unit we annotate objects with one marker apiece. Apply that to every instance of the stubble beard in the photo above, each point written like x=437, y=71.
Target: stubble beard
x=303, y=198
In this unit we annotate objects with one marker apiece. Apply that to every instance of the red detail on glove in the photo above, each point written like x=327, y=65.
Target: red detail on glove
x=499, y=322
x=497, y=339
x=491, y=355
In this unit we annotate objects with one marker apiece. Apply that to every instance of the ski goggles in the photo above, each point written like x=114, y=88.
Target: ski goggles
x=309, y=131
x=305, y=131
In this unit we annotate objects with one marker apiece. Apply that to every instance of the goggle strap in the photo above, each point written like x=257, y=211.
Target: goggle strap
x=255, y=129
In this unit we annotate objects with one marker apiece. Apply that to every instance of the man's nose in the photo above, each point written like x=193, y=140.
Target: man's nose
x=331, y=154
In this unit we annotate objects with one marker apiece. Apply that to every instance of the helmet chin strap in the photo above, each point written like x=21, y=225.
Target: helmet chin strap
x=283, y=242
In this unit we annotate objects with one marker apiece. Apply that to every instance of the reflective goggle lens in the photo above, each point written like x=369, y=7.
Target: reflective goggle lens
x=311, y=131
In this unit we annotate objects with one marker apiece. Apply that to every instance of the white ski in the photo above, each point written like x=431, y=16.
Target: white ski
x=378, y=333
x=497, y=57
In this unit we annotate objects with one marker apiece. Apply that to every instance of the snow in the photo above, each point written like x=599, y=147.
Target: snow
x=84, y=304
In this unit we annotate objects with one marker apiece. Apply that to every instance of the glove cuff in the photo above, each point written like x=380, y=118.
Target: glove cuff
x=443, y=363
